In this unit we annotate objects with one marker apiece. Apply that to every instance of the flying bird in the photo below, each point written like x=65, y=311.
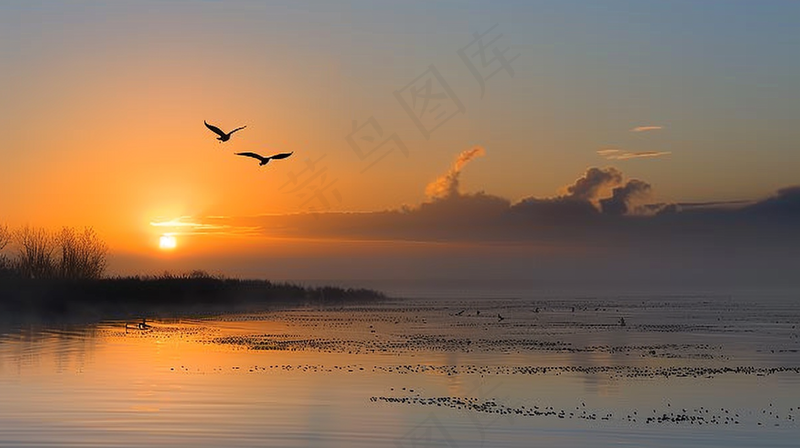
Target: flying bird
x=265, y=160
x=223, y=137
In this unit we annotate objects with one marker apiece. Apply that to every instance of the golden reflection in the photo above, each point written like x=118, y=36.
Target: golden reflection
x=316, y=370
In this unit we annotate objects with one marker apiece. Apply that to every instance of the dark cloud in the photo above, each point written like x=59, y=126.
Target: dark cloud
x=593, y=182
x=471, y=208
x=623, y=218
x=786, y=203
x=622, y=198
x=713, y=204
x=584, y=237
x=561, y=210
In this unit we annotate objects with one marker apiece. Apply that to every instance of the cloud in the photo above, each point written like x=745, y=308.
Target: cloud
x=617, y=154
x=593, y=183
x=647, y=128
x=784, y=204
x=608, y=152
x=448, y=184
x=600, y=208
x=208, y=225
x=713, y=204
x=621, y=199
x=561, y=240
x=181, y=222
x=561, y=211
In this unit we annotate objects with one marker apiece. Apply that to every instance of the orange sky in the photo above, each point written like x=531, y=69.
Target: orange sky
x=104, y=110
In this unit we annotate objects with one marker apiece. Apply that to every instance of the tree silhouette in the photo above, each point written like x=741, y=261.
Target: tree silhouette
x=5, y=238
x=83, y=254
x=67, y=254
x=35, y=247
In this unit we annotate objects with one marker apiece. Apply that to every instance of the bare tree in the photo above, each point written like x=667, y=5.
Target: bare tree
x=35, y=248
x=82, y=254
x=5, y=238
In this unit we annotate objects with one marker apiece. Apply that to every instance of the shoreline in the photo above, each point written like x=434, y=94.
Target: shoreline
x=52, y=300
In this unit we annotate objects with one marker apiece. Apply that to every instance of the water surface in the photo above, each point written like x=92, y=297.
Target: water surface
x=554, y=371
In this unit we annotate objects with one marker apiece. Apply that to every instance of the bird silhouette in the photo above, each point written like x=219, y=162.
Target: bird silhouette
x=223, y=137
x=500, y=318
x=265, y=160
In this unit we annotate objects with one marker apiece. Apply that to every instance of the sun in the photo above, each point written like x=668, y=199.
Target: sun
x=167, y=242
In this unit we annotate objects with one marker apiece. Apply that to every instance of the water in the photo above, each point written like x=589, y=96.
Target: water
x=683, y=371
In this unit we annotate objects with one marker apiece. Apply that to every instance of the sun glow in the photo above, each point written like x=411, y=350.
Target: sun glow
x=167, y=242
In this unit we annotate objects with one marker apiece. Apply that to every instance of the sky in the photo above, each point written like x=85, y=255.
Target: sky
x=675, y=103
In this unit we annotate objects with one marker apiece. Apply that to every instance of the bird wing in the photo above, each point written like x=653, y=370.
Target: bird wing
x=281, y=156
x=237, y=129
x=250, y=154
x=214, y=129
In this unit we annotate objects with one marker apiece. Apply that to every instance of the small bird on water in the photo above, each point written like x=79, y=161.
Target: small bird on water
x=265, y=160
x=143, y=325
x=223, y=136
